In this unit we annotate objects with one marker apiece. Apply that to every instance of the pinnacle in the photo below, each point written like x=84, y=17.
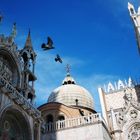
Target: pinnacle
x=28, y=43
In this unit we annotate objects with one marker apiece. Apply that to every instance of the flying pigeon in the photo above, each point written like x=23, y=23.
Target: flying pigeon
x=48, y=46
x=58, y=58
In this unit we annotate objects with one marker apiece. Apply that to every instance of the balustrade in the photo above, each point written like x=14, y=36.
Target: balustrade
x=73, y=122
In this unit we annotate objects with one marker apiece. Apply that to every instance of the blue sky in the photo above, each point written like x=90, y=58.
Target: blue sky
x=95, y=37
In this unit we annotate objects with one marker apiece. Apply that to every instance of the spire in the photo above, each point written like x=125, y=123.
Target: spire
x=28, y=43
x=14, y=31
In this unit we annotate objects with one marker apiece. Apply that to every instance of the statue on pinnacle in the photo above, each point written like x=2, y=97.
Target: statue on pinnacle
x=135, y=16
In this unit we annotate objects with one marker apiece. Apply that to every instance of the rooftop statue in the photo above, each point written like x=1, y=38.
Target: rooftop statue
x=135, y=16
x=14, y=31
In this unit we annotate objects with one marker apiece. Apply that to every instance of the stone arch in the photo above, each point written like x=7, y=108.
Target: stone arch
x=14, y=125
x=11, y=61
x=131, y=129
x=55, y=109
x=61, y=117
x=49, y=118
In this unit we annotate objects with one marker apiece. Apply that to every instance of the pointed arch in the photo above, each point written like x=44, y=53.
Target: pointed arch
x=11, y=63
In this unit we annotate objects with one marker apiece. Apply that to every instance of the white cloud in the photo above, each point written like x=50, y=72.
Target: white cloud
x=50, y=75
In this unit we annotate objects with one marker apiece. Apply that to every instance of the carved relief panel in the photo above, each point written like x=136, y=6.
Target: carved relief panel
x=5, y=70
x=134, y=132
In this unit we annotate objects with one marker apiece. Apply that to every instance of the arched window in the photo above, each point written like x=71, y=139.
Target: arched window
x=61, y=118
x=30, y=97
x=73, y=82
x=49, y=118
x=132, y=10
x=76, y=101
x=49, y=122
x=65, y=83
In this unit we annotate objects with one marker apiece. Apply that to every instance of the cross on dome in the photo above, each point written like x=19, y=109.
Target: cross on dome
x=68, y=79
x=68, y=69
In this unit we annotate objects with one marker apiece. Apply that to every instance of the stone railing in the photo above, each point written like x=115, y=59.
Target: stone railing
x=19, y=98
x=73, y=122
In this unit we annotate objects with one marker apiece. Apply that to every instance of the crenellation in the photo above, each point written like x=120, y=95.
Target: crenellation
x=110, y=87
x=117, y=86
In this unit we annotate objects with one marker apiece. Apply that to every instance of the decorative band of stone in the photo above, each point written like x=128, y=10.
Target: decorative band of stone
x=19, y=98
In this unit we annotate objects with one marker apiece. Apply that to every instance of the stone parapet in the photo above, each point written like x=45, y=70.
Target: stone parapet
x=73, y=122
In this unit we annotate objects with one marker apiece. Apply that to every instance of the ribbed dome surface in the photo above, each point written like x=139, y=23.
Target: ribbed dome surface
x=71, y=94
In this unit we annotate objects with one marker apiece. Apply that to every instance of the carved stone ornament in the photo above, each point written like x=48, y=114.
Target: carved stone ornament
x=128, y=94
x=6, y=125
x=134, y=132
x=133, y=114
x=43, y=128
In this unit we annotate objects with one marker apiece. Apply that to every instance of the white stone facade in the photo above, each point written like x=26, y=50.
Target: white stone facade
x=121, y=111
x=135, y=16
x=19, y=119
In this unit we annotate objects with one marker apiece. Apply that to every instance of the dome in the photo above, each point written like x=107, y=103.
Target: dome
x=71, y=94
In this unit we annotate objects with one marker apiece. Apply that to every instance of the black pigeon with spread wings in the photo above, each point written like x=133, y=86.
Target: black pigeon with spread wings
x=58, y=58
x=48, y=46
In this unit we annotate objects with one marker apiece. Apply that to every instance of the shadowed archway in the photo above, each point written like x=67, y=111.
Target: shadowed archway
x=14, y=125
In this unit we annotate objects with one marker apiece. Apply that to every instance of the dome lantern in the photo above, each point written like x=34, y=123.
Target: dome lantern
x=68, y=79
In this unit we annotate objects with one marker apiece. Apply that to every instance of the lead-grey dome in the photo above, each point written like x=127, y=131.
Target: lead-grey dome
x=71, y=94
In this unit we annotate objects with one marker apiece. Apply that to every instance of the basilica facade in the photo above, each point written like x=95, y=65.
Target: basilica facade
x=19, y=119
x=69, y=113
